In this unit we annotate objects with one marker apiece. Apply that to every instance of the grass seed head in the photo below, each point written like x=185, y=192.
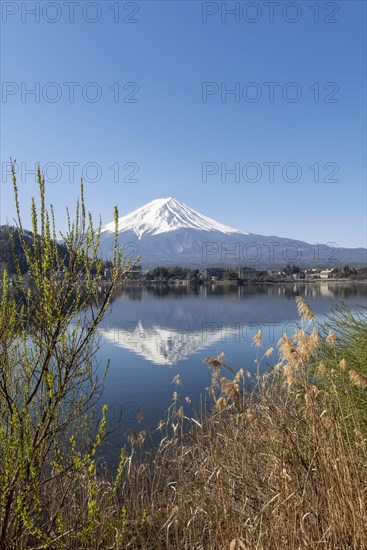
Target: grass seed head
x=358, y=380
x=304, y=309
x=343, y=365
x=257, y=339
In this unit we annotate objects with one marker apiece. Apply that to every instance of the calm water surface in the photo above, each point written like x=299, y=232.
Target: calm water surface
x=154, y=333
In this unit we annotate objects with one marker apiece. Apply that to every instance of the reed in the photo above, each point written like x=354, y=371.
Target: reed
x=274, y=463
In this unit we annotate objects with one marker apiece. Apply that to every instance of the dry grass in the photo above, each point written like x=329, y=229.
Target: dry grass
x=275, y=473
x=273, y=468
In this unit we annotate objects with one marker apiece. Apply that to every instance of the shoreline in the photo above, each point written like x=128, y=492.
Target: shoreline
x=143, y=282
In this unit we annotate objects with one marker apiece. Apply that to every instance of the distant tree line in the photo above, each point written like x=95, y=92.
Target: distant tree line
x=163, y=273
x=350, y=272
x=344, y=272
x=176, y=272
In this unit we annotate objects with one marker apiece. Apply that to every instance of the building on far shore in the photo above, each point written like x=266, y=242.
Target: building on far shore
x=326, y=274
x=248, y=272
x=135, y=273
x=214, y=273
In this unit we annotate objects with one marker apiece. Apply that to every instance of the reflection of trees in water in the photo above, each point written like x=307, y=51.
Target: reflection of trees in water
x=339, y=291
x=130, y=292
x=175, y=291
x=136, y=292
x=221, y=290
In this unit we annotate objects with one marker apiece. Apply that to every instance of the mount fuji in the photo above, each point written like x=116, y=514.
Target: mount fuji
x=165, y=215
x=168, y=232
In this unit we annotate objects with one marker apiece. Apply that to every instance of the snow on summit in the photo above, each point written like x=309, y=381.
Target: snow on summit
x=166, y=215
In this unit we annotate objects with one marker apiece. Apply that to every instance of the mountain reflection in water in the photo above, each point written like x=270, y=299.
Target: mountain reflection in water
x=166, y=324
x=156, y=332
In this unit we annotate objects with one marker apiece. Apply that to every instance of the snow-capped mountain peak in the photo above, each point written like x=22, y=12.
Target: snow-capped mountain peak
x=166, y=215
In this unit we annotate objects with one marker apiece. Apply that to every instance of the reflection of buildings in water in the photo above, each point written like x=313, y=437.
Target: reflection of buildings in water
x=325, y=290
x=135, y=293
x=312, y=290
x=248, y=290
x=331, y=290
x=165, y=346
x=336, y=291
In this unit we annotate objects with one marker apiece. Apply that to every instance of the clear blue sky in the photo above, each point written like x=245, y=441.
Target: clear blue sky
x=170, y=132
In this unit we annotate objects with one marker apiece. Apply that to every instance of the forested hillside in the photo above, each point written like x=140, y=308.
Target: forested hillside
x=11, y=249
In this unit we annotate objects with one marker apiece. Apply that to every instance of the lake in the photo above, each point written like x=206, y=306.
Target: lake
x=154, y=333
